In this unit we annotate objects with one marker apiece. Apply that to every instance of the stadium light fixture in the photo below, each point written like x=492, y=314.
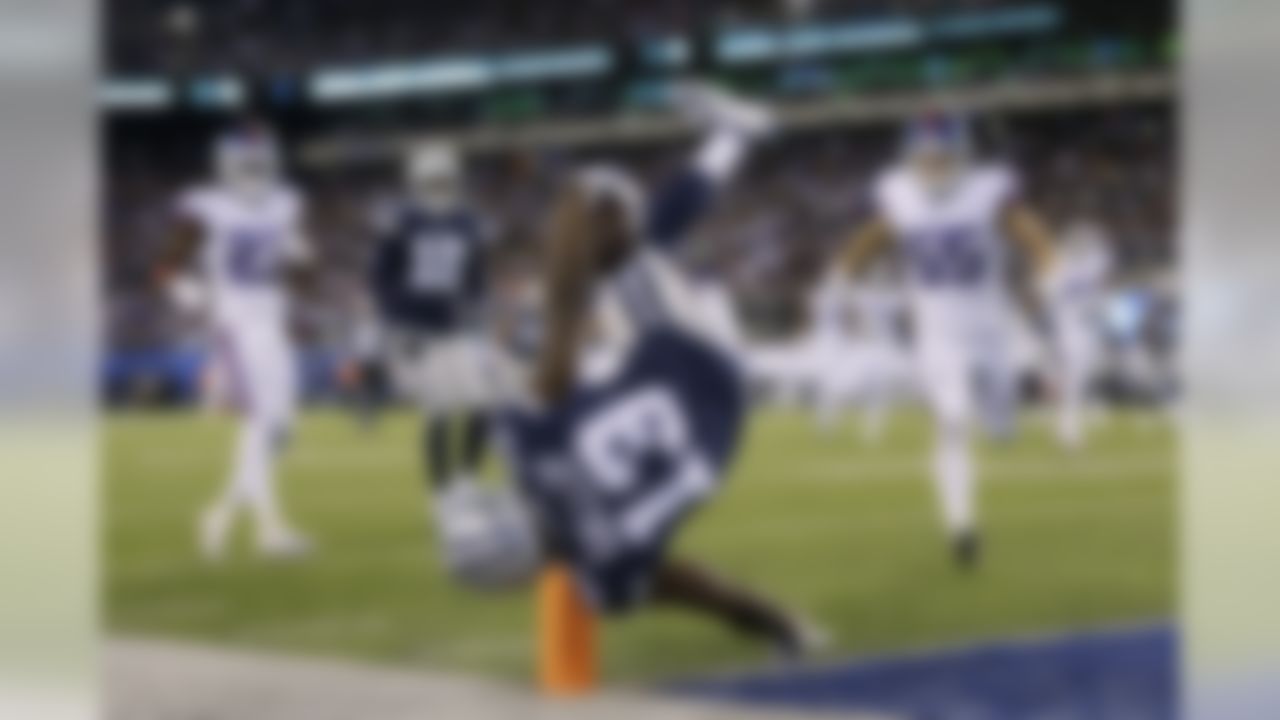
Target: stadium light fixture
x=136, y=94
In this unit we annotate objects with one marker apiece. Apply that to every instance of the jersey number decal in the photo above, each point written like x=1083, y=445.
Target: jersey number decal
x=437, y=262
x=948, y=257
x=251, y=257
x=640, y=448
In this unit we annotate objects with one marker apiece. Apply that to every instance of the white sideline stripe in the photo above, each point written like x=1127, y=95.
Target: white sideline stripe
x=161, y=680
x=1001, y=471
x=1117, y=466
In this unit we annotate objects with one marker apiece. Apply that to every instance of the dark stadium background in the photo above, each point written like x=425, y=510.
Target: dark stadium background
x=1081, y=95
x=1112, y=158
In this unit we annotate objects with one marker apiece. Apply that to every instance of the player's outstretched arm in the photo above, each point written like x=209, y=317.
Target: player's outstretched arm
x=300, y=269
x=570, y=262
x=1028, y=229
x=170, y=274
x=180, y=248
x=866, y=243
x=302, y=275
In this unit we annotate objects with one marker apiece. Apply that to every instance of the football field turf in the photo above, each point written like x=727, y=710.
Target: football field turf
x=840, y=528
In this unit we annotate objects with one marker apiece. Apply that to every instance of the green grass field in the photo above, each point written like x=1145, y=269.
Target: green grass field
x=844, y=530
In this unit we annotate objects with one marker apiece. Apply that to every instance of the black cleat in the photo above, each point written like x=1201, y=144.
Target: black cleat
x=966, y=548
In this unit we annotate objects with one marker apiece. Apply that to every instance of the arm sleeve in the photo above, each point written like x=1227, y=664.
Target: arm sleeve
x=879, y=199
x=1006, y=186
x=297, y=247
x=488, y=230
x=191, y=206
x=677, y=206
x=381, y=274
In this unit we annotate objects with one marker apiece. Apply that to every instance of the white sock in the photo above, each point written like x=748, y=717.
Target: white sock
x=875, y=408
x=253, y=481
x=953, y=479
x=721, y=155
x=827, y=411
x=1071, y=415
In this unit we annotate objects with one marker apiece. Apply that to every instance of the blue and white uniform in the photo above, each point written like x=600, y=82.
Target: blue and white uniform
x=248, y=242
x=956, y=271
x=1075, y=290
x=614, y=470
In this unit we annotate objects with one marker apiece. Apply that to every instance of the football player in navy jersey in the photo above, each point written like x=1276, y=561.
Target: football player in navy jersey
x=636, y=405
x=428, y=280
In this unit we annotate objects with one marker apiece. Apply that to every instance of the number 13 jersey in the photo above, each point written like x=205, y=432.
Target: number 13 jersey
x=615, y=469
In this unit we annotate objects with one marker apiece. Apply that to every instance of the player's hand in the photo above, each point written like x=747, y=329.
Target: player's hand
x=350, y=375
x=553, y=381
x=1051, y=285
x=1051, y=387
x=187, y=294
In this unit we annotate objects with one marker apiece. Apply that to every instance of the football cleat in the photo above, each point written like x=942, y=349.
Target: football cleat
x=283, y=544
x=213, y=531
x=802, y=639
x=966, y=548
x=709, y=106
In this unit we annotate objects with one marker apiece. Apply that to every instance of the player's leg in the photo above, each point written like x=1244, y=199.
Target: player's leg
x=369, y=394
x=892, y=376
x=733, y=127
x=476, y=385
x=1073, y=381
x=219, y=516
x=437, y=449
x=997, y=380
x=230, y=363
x=258, y=386
x=945, y=375
x=684, y=584
x=657, y=289
x=454, y=445
x=457, y=430
x=1070, y=427
x=826, y=386
x=426, y=373
x=873, y=389
x=475, y=442
x=276, y=382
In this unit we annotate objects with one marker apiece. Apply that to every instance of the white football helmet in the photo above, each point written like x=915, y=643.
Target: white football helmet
x=247, y=161
x=434, y=176
x=938, y=147
x=603, y=181
x=487, y=535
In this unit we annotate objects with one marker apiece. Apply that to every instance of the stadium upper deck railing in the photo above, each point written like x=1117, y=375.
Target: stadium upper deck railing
x=1011, y=96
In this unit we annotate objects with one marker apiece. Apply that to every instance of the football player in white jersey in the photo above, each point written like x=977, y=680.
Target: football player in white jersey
x=951, y=218
x=1074, y=292
x=237, y=244
x=878, y=308
x=829, y=348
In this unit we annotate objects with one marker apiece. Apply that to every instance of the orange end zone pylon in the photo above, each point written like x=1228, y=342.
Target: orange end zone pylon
x=566, y=636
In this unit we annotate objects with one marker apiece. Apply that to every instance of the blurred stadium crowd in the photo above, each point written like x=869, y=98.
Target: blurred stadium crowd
x=768, y=241
x=177, y=36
